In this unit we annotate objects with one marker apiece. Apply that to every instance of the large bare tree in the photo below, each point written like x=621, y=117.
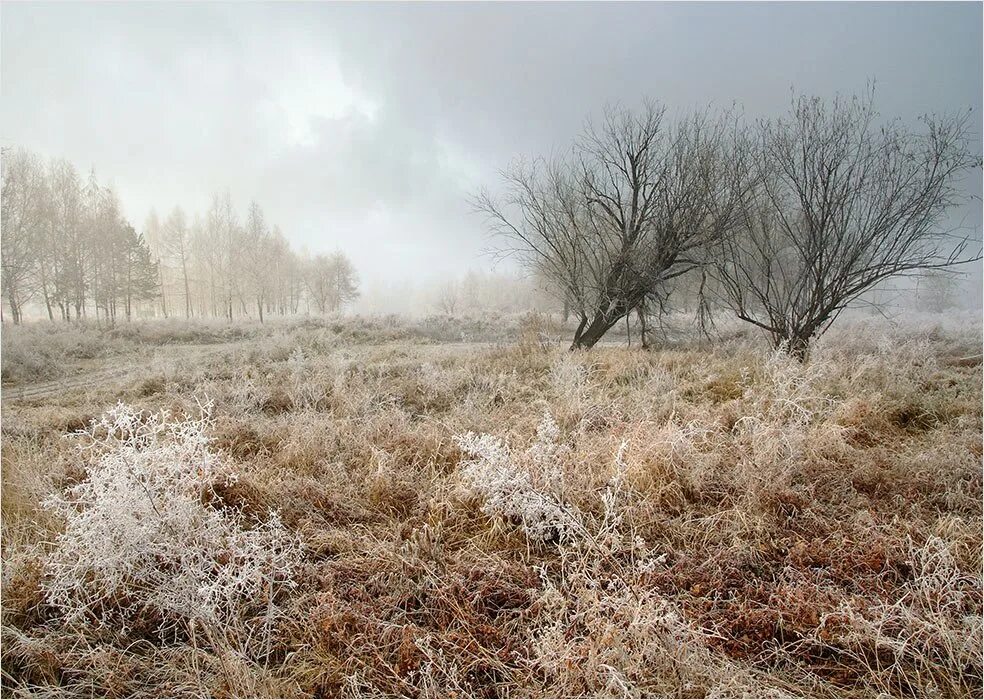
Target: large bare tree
x=633, y=207
x=840, y=202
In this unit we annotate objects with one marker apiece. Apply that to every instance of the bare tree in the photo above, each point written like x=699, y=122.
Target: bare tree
x=231, y=238
x=24, y=212
x=331, y=282
x=178, y=245
x=255, y=257
x=936, y=291
x=344, y=281
x=448, y=297
x=67, y=242
x=633, y=207
x=70, y=240
x=838, y=205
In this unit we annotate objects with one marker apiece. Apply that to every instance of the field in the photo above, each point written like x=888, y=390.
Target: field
x=463, y=508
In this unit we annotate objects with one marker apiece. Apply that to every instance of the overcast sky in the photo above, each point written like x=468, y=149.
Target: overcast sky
x=364, y=127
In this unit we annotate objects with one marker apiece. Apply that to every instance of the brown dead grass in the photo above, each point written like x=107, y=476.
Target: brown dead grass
x=820, y=538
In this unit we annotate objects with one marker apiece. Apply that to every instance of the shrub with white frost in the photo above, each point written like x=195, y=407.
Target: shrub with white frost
x=146, y=536
x=522, y=487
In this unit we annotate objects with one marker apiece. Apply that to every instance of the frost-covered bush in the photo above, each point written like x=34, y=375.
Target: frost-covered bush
x=305, y=386
x=789, y=392
x=780, y=408
x=569, y=379
x=523, y=487
x=603, y=627
x=146, y=535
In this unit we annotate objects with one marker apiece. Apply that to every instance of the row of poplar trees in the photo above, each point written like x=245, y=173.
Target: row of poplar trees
x=67, y=248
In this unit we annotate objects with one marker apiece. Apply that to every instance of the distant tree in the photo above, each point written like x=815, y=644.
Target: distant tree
x=105, y=244
x=345, y=281
x=231, y=236
x=208, y=251
x=139, y=270
x=24, y=211
x=448, y=297
x=279, y=257
x=153, y=233
x=67, y=242
x=331, y=282
x=937, y=291
x=177, y=243
x=255, y=257
x=317, y=280
x=839, y=204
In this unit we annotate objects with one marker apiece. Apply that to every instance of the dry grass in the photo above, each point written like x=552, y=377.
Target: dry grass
x=739, y=524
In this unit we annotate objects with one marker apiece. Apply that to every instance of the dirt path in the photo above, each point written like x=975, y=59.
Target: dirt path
x=59, y=386
x=135, y=369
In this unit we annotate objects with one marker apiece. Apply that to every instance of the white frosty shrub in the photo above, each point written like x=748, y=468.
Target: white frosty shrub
x=300, y=378
x=545, y=454
x=789, y=392
x=569, y=379
x=521, y=487
x=782, y=406
x=144, y=531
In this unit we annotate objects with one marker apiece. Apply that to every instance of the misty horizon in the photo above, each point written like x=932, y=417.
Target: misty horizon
x=367, y=128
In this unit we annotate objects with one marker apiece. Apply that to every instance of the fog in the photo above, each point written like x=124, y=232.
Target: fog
x=491, y=350
x=365, y=128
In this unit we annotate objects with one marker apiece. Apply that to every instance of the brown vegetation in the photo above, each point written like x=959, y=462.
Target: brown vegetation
x=751, y=525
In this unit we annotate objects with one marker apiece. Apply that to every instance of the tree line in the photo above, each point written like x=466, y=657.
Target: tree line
x=67, y=247
x=785, y=221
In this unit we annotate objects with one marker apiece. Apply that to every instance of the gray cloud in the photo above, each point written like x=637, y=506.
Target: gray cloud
x=364, y=126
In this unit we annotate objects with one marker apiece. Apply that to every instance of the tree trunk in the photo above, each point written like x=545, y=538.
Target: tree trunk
x=586, y=338
x=579, y=331
x=14, y=312
x=643, y=327
x=184, y=272
x=44, y=290
x=12, y=300
x=796, y=344
x=163, y=298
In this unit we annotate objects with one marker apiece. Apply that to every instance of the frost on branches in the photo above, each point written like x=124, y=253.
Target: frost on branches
x=524, y=487
x=142, y=537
